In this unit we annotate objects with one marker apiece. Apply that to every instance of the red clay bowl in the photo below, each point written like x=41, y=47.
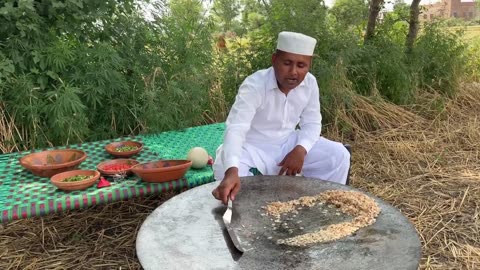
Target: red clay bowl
x=57, y=180
x=112, y=148
x=51, y=162
x=117, y=166
x=162, y=171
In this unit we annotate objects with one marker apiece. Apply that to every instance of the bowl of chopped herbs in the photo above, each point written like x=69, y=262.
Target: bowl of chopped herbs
x=75, y=180
x=124, y=149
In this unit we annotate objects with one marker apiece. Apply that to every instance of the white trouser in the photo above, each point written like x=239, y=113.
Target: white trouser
x=327, y=160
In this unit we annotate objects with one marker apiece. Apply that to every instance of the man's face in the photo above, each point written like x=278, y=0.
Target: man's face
x=290, y=69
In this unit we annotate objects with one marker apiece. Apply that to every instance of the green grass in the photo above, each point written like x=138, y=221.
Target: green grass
x=471, y=32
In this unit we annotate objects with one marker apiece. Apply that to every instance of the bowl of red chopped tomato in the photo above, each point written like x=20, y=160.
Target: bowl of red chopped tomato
x=119, y=166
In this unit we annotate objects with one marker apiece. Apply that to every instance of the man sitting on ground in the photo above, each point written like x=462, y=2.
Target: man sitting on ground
x=261, y=126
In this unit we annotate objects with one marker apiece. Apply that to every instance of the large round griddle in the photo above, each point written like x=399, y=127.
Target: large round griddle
x=187, y=232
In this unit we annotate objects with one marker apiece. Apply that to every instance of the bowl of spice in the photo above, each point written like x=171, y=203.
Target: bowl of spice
x=119, y=166
x=124, y=149
x=75, y=180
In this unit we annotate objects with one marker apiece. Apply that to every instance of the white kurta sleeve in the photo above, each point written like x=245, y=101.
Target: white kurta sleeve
x=238, y=123
x=310, y=120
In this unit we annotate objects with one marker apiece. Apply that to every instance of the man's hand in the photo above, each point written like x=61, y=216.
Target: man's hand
x=292, y=163
x=229, y=187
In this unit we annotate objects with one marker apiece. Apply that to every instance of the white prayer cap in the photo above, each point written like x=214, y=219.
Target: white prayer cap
x=296, y=43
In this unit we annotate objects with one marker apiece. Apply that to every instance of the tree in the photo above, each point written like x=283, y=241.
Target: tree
x=226, y=11
x=307, y=16
x=375, y=7
x=394, y=24
x=253, y=15
x=413, y=25
x=350, y=12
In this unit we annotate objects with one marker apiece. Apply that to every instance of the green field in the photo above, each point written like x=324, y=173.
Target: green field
x=470, y=32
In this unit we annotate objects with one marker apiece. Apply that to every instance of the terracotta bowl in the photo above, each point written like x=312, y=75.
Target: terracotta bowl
x=112, y=148
x=57, y=180
x=103, y=167
x=50, y=162
x=162, y=171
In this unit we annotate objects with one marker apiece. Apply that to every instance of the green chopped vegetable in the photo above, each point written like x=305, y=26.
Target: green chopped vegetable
x=126, y=148
x=75, y=178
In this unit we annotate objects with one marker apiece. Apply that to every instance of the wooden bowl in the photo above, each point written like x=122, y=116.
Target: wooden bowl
x=51, y=162
x=111, y=148
x=57, y=180
x=103, y=167
x=162, y=171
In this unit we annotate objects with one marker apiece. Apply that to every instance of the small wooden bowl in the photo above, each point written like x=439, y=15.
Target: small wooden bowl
x=57, y=180
x=51, y=162
x=111, y=148
x=102, y=166
x=162, y=171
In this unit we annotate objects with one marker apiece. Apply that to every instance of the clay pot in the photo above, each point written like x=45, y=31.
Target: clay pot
x=131, y=162
x=51, y=162
x=162, y=171
x=57, y=180
x=112, y=148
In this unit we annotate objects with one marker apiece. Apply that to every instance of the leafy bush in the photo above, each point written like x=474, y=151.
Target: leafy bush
x=439, y=59
x=70, y=68
x=177, y=89
x=472, y=57
x=232, y=66
x=86, y=70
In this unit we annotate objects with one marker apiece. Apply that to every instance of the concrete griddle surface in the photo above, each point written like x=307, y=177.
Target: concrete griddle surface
x=187, y=232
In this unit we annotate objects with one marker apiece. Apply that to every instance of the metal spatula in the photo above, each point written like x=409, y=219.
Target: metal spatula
x=227, y=219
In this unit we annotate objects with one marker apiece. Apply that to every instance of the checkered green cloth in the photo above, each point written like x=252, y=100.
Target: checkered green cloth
x=24, y=195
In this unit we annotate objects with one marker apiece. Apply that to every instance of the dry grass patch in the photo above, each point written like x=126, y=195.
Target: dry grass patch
x=422, y=159
x=431, y=172
x=100, y=237
x=8, y=131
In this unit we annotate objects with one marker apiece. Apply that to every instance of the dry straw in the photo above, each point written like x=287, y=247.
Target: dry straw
x=424, y=160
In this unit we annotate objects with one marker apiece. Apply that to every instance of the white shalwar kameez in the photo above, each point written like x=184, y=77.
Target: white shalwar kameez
x=261, y=131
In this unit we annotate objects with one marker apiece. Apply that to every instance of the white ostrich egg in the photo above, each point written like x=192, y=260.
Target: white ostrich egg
x=198, y=156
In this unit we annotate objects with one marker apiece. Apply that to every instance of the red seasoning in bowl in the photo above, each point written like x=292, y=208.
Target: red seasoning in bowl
x=117, y=166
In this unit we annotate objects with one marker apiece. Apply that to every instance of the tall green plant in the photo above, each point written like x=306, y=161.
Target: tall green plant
x=439, y=59
x=70, y=68
x=177, y=90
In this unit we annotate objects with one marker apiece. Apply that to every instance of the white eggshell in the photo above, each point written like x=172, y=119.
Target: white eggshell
x=198, y=156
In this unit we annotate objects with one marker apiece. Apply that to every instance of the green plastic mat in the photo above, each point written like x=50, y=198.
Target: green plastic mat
x=24, y=195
